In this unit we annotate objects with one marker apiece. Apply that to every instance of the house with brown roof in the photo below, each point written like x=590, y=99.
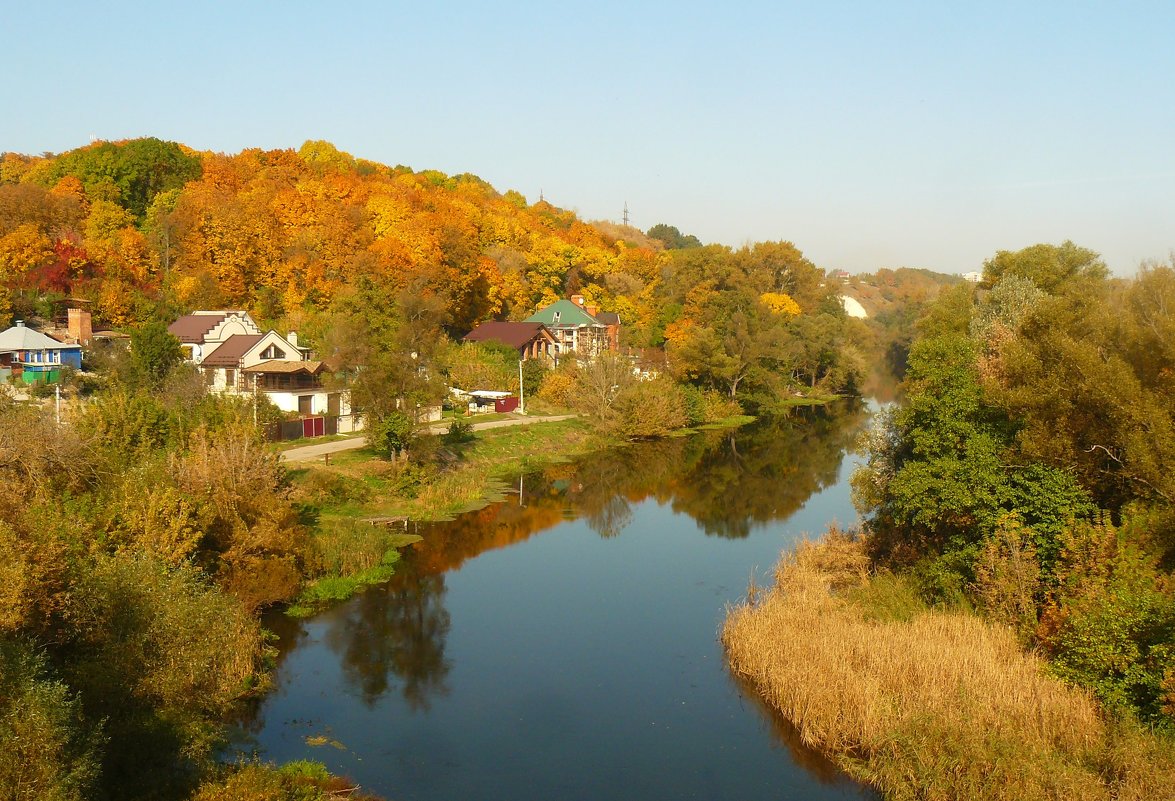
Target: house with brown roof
x=236, y=357
x=531, y=340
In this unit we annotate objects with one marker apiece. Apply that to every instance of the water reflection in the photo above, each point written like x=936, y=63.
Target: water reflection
x=399, y=633
x=728, y=481
x=572, y=650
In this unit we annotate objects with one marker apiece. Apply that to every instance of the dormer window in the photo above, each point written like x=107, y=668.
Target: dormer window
x=273, y=352
x=555, y=318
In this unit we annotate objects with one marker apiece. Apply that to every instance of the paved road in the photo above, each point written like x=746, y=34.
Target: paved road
x=314, y=453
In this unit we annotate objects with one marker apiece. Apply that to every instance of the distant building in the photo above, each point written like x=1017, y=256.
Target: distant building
x=973, y=278
x=33, y=357
x=576, y=327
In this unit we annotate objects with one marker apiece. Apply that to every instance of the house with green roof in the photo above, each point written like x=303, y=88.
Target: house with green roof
x=575, y=327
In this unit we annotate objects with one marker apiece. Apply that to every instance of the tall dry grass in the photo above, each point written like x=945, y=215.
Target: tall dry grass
x=942, y=705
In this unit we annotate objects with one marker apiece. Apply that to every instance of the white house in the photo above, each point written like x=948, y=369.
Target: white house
x=235, y=357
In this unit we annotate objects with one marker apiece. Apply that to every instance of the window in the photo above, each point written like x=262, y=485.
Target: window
x=230, y=377
x=273, y=352
x=305, y=404
x=555, y=319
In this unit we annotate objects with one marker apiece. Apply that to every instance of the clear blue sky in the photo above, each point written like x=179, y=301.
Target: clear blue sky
x=870, y=134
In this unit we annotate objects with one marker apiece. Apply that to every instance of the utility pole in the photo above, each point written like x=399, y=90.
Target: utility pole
x=521, y=396
x=57, y=390
x=626, y=214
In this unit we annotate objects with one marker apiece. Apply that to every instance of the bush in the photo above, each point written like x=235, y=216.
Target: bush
x=391, y=435
x=649, y=409
x=459, y=433
x=694, y=402
x=558, y=388
x=46, y=754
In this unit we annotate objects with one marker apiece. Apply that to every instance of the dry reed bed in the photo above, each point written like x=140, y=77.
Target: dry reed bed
x=942, y=706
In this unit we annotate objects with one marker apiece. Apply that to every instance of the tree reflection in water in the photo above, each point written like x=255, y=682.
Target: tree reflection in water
x=727, y=481
x=399, y=632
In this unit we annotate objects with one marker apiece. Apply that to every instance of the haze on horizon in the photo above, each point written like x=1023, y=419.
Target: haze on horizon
x=903, y=134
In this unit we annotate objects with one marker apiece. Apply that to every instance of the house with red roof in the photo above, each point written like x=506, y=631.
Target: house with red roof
x=531, y=340
x=236, y=357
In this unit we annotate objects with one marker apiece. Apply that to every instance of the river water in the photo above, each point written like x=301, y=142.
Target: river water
x=563, y=644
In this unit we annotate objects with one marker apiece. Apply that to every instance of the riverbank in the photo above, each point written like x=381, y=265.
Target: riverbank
x=360, y=505
x=927, y=704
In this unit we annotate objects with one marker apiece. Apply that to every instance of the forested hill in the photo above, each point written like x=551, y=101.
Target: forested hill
x=281, y=232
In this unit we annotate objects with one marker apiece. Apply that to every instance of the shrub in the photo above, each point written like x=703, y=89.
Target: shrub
x=558, y=388
x=391, y=435
x=459, y=433
x=46, y=753
x=649, y=409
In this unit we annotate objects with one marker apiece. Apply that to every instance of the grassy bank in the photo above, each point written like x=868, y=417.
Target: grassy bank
x=927, y=704
x=354, y=502
x=340, y=499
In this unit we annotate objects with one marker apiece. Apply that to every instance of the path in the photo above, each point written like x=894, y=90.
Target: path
x=314, y=453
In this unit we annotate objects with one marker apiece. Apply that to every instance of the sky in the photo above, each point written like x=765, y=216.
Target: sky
x=869, y=134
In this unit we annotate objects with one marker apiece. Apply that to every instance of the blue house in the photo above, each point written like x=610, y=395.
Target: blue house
x=34, y=357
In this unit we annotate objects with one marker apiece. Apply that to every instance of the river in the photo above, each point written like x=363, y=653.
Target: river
x=563, y=644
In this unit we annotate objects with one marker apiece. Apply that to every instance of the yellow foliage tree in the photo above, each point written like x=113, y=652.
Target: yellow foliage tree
x=780, y=303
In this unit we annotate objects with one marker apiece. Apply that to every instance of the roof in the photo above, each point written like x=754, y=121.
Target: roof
x=193, y=327
x=21, y=337
x=231, y=350
x=281, y=366
x=513, y=334
x=569, y=314
x=608, y=318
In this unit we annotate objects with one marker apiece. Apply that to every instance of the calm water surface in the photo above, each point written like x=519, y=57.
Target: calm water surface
x=563, y=644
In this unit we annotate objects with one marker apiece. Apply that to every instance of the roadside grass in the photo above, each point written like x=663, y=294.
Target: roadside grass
x=926, y=704
x=290, y=444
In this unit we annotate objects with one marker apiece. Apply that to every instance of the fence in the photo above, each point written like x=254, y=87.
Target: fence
x=322, y=426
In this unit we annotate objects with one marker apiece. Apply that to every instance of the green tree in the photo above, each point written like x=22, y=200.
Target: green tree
x=672, y=238
x=155, y=352
x=1050, y=267
x=130, y=173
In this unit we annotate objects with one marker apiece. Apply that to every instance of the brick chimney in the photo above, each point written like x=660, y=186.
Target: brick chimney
x=577, y=300
x=81, y=328
x=591, y=310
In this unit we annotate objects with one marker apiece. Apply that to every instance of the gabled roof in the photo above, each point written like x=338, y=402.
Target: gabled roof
x=20, y=337
x=192, y=328
x=569, y=314
x=515, y=335
x=231, y=350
